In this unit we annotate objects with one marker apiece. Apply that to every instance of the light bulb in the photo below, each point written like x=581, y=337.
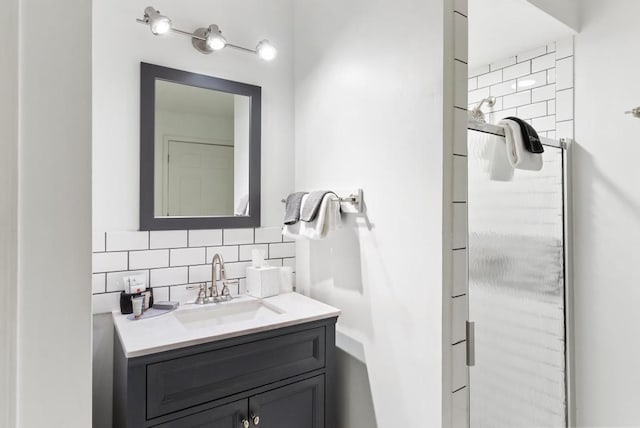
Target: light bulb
x=159, y=24
x=266, y=51
x=215, y=40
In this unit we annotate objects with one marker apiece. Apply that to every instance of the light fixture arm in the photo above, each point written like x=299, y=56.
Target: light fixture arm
x=206, y=39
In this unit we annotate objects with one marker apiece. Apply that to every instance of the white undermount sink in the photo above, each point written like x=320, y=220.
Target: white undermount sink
x=216, y=314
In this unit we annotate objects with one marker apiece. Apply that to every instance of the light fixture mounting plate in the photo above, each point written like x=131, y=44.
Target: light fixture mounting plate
x=201, y=43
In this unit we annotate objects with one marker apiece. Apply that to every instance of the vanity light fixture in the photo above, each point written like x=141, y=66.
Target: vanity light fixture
x=204, y=40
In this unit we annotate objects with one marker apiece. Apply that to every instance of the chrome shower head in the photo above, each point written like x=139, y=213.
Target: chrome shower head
x=476, y=112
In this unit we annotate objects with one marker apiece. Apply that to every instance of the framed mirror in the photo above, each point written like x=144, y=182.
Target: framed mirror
x=199, y=151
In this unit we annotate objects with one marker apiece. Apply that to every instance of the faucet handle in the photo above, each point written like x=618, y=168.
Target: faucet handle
x=202, y=292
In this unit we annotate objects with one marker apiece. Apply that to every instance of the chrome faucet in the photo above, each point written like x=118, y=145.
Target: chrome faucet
x=224, y=293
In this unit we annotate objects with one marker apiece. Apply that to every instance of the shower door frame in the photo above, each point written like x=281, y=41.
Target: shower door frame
x=566, y=147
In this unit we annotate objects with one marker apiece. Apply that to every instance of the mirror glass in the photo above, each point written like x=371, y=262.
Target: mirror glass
x=201, y=152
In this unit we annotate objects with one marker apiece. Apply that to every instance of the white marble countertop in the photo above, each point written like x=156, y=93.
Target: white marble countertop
x=166, y=332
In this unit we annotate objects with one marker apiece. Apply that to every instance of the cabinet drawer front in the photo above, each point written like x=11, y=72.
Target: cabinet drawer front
x=188, y=381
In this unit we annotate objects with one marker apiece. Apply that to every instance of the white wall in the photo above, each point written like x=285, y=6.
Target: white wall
x=565, y=11
x=369, y=107
x=8, y=209
x=607, y=215
x=54, y=311
x=120, y=44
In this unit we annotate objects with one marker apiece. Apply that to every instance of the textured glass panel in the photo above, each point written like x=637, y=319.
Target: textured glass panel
x=516, y=291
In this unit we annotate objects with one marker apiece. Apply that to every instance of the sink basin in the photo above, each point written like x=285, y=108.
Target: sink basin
x=217, y=314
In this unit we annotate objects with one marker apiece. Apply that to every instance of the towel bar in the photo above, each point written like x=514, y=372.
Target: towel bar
x=354, y=198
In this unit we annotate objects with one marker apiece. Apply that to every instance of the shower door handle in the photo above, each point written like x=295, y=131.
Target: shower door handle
x=471, y=343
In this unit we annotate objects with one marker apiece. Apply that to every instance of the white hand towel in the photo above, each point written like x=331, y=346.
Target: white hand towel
x=327, y=220
x=517, y=153
x=500, y=168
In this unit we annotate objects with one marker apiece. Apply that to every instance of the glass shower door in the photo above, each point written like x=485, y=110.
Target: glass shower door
x=516, y=291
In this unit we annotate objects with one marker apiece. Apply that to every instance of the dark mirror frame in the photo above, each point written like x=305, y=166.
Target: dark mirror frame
x=149, y=73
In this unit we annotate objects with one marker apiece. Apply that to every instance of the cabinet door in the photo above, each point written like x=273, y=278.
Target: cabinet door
x=299, y=405
x=227, y=416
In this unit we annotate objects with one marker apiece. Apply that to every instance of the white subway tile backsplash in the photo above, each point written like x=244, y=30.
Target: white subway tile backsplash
x=202, y=273
x=478, y=70
x=564, y=47
x=237, y=236
x=564, y=106
x=109, y=262
x=287, y=249
x=237, y=270
x=229, y=253
x=161, y=294
x=205, y=238
x=564, y=73
x=98, y=242
x=460, y=121
x=532, y=110
x=517, y=70
x=459, y=317
x=126, y=241
x=148, y=259
x=187, y=256
x=461, y=39
x=459, y=379
x=246, y=251
x=180, y=293
x=544, y=62
x=169, y=276
x=460, y=90
x=168, y=239
x=459, y=226
x=490, y=79
x=289, y=262
x=98, y=283
x=516, y=100
x=105, y=302
x=504, y=88
x=267, y=235
x=460, y=272
x=503, y=63
x=546, y=123
x=533, y=53
x=460, y=178
x=115, y=279
x=543, y=93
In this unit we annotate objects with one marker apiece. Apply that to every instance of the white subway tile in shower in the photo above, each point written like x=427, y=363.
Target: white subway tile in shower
x=543, y=93
x=517, y=70
x=564, y=106
x=544, y=62
x=533, y=53
x=503, y=63
x=564, y=47
x=476, y=71
x=490, y=79
x=532, y=110
x=564, y=73
x=546, y=123
x=504, y=88
x=517, y=99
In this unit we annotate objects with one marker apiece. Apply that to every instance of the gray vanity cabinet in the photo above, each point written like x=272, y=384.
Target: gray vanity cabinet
x=275, y=379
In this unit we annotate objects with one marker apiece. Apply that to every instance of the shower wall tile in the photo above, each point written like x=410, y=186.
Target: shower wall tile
x=564, y=73
x=517, y=99
x=544, y=62
x=476, y=71
x=564, y=48
x=461, y=37
x=516, y=70
x=543, y=93
x=532, y=110
x=490, y=79
x=502, y=64
x=564, y=106
x=525, y=56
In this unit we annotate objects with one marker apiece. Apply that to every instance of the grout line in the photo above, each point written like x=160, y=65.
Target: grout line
x=460, y=295
x=464, y=62
x=459, y=389
x=460, y=13
x=458, y=342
